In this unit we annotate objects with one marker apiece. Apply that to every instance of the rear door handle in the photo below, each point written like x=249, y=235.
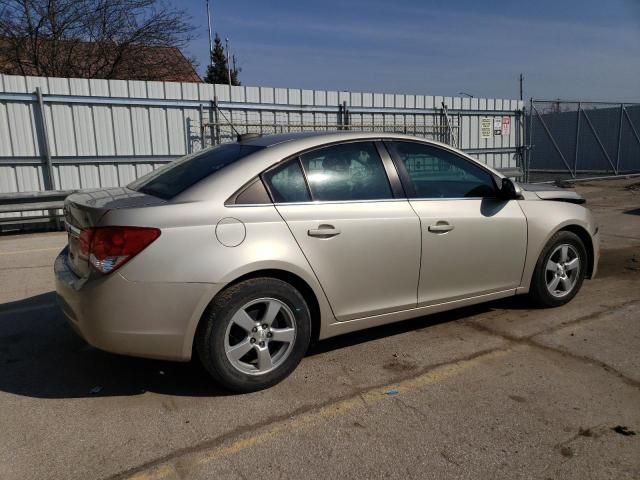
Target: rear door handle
x=440, y=227
x=324, y=231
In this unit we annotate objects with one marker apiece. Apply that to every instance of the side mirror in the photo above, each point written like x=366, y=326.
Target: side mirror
x=509, y=189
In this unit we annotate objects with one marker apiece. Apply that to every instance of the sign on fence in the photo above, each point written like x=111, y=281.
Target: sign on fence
x=497, y=126
x=506, y=126
x=486, y=123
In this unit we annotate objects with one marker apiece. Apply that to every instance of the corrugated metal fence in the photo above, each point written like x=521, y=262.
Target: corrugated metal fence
x=572, y=139
x=62, y=134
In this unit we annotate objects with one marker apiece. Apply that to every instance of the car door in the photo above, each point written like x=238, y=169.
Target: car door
x=473, y=241
x=358, y=232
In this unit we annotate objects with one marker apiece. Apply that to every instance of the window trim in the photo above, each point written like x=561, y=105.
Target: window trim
x=306, y=179
x=397, y=189
x=398, y=194
x=406, y=179
x=233, y=198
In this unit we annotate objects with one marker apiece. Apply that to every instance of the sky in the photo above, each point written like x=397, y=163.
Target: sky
x=569, y=49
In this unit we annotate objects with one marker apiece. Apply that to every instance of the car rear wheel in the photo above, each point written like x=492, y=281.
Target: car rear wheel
x=560, y=270
x=254, y=334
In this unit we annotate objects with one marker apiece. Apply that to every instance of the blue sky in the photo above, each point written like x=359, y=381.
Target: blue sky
x=573, y=49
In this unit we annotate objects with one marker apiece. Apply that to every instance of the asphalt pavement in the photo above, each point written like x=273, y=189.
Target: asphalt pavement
x=491, y=391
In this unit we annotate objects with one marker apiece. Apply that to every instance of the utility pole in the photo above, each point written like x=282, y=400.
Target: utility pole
x=226, y=42
x=521, y=85
x=210, y=40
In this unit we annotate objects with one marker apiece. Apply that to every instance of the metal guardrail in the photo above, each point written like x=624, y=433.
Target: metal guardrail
x=49, y=202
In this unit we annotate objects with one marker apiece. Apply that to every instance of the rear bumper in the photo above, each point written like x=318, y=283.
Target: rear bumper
x=143, y=319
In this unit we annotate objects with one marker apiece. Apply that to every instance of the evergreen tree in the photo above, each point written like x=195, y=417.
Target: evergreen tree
x=218, y=70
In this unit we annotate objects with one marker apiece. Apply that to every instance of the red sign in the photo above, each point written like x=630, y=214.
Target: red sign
x=506, y=125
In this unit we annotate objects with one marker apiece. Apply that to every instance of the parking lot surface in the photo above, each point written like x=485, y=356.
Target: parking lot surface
x=491, y=391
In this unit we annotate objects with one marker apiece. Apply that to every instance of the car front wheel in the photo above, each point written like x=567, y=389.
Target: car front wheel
x=560, y=270
x=254, y=334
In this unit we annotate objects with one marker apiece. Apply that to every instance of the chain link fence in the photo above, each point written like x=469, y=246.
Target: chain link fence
x=572, y=140
x=227, y=124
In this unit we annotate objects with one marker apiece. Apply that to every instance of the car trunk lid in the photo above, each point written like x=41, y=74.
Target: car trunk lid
x=86, y=209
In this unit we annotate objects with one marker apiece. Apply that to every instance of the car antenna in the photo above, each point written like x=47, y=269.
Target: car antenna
x=229, y=123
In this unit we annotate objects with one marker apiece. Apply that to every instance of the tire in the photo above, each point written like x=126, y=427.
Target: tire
x=549, y=289
x=239, y=329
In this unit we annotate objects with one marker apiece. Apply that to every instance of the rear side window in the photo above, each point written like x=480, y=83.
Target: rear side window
x=177, y=176
x=287, y=184
x=350, y=171
x=437, y=173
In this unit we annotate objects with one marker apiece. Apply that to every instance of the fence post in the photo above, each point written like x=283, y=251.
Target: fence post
x=187, y=137
x=210, y=124
x=517, y=126
x=345, y=112
x=216, y=115
x=45, y=148
x=575, y=160
x=619, y=137
x=530, y=145
x=43, y=142
x=202, y=137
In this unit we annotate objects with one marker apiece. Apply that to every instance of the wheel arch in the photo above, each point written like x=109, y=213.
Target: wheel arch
x=292, y=279
x=543, y=223
x=583, y=234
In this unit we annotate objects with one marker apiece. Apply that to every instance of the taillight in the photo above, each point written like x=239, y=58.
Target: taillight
x=108, y=248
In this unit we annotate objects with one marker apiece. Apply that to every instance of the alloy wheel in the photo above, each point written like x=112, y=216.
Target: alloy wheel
x=260, y=336
x=562, y=270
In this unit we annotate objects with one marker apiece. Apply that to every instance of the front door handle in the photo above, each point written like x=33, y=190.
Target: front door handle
x=323, y=231
x=440, y=227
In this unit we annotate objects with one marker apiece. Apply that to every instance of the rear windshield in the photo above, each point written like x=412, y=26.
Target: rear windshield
x=175, y=177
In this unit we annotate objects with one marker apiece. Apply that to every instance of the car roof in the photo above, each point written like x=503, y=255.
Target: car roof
x=272, y=149
x=328, y=136
x=271, y=140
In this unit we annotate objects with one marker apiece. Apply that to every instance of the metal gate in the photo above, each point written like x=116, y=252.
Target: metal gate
x=570, y=140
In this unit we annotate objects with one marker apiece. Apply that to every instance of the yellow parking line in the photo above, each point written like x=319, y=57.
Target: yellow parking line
x=17, y=252
x=168, y=470
x=162, y=471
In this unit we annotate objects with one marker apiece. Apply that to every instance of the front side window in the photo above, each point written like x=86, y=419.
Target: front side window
x=287, y=184
x=177, y=176
x=438, y=173
x=350, y=171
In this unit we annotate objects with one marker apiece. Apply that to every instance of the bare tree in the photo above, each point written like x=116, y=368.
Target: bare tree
x=89, y=38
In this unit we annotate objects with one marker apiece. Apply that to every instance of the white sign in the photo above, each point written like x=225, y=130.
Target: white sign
x=497, y=126
x=486, y=125
x=506, y=125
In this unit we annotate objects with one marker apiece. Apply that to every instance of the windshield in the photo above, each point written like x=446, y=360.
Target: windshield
x=177, y=176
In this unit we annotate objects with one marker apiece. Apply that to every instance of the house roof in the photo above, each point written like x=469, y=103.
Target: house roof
x=96, y=60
